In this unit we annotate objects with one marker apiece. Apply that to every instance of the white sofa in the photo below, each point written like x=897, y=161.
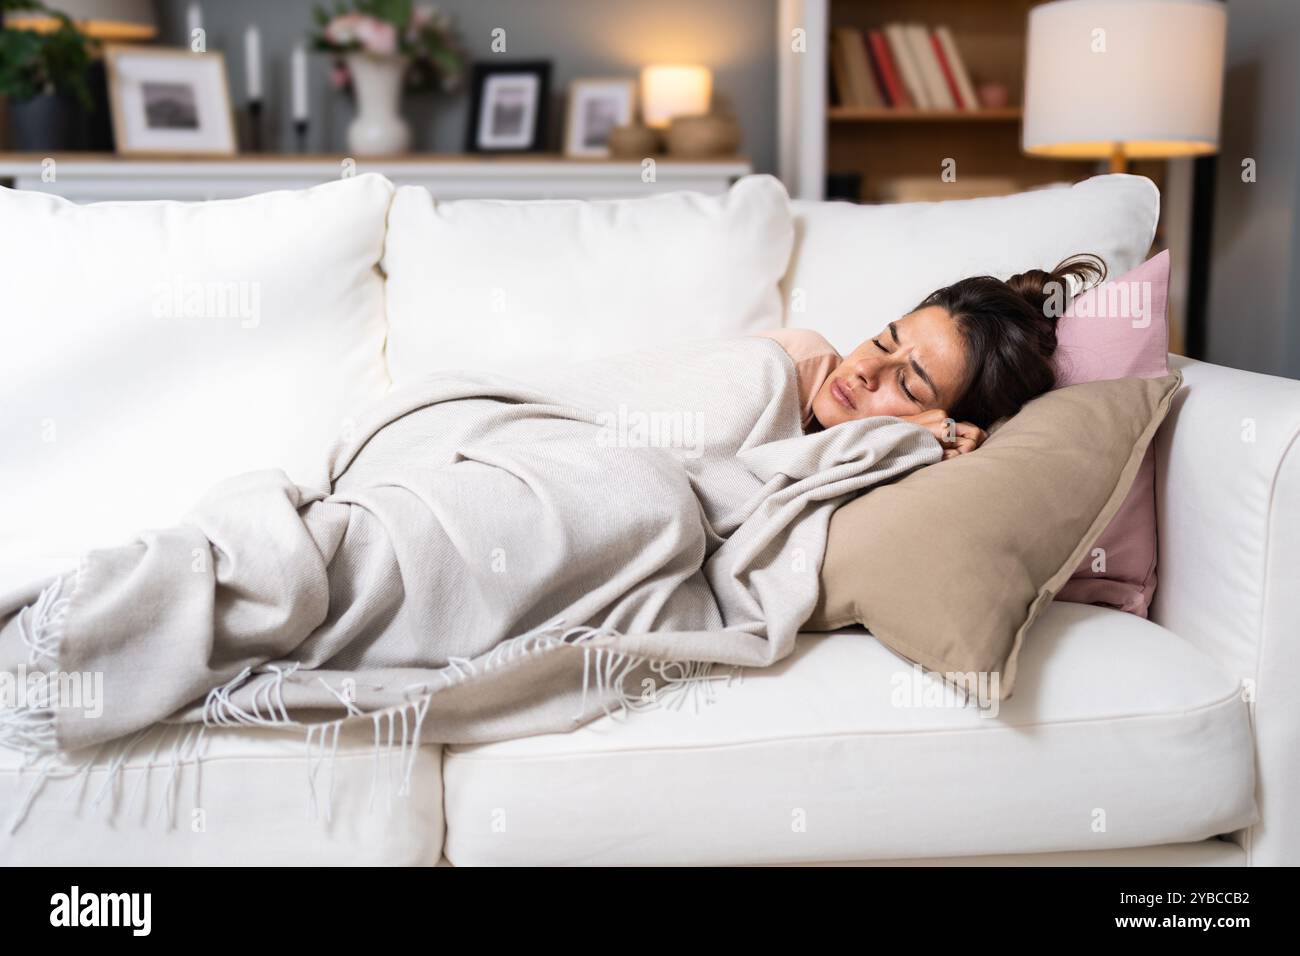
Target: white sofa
x=1174, y=740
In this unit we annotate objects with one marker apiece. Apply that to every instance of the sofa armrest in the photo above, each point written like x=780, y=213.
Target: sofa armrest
x=1228, y=572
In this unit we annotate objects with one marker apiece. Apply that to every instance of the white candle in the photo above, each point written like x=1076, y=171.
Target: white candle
x=299, y=85
x=253, y=63
x=193, y=19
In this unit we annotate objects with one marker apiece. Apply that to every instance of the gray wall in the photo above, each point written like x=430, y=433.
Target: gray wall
x=1253, y=315
x=736, y=38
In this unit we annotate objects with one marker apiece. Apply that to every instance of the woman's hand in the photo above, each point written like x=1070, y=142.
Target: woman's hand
x=956, y=438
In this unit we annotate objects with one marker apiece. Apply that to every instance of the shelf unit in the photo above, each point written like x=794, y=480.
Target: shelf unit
x=858, y=114
x=818, y=138
x=90, y=177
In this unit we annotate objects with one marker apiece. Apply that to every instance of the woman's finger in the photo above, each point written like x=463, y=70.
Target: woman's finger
x=965, y=432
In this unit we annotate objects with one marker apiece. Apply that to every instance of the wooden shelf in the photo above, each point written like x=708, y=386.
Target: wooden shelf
x=90, y=177
x=859, y=114
x=485, y=159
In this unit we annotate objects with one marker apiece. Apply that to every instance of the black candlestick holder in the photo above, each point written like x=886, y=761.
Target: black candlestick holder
x=255, y=126
x=300, y=135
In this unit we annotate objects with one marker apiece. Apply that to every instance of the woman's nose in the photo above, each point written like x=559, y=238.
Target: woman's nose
x=868, y=373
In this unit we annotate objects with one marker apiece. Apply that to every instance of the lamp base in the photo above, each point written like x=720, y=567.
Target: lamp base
x=1118, y=160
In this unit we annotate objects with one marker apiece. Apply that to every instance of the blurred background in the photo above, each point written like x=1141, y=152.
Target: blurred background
x=848, y=100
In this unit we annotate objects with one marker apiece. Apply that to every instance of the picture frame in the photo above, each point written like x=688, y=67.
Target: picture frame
x=169, y=101
x=596, y=106
x=509, y=107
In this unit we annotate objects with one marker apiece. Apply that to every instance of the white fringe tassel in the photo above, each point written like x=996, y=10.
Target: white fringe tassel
x=32, y=729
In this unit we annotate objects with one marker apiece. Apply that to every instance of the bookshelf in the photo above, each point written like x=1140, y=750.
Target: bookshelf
x=866, y=114
x=886, y=146
x=882, y=145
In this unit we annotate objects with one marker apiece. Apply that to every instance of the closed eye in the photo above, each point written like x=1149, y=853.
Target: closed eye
x=902, y=382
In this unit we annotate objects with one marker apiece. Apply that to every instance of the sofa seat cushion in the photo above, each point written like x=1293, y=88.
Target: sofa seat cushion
x=241, y=797
x=1123, y=735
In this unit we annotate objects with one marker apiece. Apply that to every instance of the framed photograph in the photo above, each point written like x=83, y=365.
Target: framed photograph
x=508, y=107
x=168, y=102
x=596, y=106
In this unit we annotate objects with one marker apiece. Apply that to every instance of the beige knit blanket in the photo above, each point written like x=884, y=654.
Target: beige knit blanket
x=487, y=557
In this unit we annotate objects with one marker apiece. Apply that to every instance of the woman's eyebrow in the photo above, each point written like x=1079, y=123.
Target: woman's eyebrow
x=934, y=392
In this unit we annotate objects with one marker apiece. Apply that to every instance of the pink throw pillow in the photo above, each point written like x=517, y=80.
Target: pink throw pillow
x=1119, y=330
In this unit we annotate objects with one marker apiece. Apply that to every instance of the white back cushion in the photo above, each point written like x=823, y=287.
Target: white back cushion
x=855, y=268
x=494, y=285
x=149, y=349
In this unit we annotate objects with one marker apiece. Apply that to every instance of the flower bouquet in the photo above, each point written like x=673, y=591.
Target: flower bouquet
x=420, y=37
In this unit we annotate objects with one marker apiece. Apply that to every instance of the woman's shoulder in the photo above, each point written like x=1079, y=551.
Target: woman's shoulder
x=802, y=344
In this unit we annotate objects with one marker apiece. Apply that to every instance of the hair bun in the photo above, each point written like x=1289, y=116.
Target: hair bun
x=1050, y=292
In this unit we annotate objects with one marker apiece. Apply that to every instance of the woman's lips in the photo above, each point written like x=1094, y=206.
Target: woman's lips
x=843, y=396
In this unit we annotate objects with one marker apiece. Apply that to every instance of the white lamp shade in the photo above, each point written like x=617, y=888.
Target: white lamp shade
x=1145, y=76
x=668, y=91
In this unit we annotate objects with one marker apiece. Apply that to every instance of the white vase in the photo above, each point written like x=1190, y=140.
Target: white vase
x=378, y=128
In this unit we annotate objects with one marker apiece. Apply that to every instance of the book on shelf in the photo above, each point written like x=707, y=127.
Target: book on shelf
x=901, y=50
x=852, y=70
x=900, y=66
x=881, y=87
x=949, y=80
x=841, y=87
x=884, y=60
x=958, y=66
x=936, y=91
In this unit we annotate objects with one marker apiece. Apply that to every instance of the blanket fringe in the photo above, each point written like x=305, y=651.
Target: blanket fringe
x=396, y=729
x=41, y=624
x=220, y=711
x=681, y=679
x=610, y=670
x=30, y=728
x=187, y=745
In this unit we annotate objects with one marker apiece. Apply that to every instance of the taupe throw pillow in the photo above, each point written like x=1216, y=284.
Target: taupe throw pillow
x=950, y=565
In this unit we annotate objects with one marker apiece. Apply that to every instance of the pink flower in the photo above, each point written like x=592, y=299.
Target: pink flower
x=373, y=35
x=377, y=36
x=342, y=30
x=421, y=15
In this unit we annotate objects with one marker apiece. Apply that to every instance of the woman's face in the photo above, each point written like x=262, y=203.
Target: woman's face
x=916, y=363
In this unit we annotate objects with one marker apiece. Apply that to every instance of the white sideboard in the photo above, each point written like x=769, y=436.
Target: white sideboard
x=96, y=177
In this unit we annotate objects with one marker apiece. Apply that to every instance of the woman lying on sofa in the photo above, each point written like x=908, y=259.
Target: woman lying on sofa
x=976, y=350
x=475, y=532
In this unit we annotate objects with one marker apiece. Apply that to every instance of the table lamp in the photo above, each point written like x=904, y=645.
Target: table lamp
x=668, y=91
x=1124, y=79
x=677, y=100
x=123, y=20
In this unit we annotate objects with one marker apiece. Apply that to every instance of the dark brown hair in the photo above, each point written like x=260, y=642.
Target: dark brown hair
x=1009, y=332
